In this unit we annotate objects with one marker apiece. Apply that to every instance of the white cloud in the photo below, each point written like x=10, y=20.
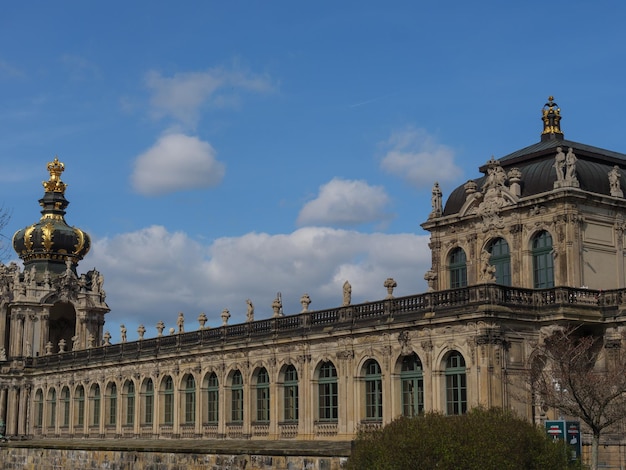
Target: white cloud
x=176, y=162
x=80, y=69
x=7, y=69
x=415, y=156
x=152, y=274
x=345, y=203
x=182, y=95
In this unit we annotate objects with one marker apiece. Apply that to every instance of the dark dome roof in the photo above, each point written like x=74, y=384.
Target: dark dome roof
x=538, y=174
x=50, y=243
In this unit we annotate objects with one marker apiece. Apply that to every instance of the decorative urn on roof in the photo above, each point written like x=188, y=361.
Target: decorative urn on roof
x=50, y=244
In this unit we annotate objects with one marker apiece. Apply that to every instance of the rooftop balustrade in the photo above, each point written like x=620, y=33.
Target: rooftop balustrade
x=438, y=304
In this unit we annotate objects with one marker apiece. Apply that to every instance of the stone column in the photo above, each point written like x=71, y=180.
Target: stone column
x=24, y=411
x=275, y=407
x=347, y=386
x=3, y=406
x=29, y=334
x=176, y=412
x=16, y=334
x=12, y=410
x=3, y=322
x=44, y=330
x=221, y=404
x=307, y=390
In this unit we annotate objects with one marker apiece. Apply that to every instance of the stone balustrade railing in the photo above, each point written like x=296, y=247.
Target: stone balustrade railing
x=439, y=303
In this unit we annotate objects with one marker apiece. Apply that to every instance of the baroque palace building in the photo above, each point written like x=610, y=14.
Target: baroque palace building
x=536, y=241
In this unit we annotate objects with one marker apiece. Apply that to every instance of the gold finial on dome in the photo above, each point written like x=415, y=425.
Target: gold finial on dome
x=551, y=117
x=54, y=184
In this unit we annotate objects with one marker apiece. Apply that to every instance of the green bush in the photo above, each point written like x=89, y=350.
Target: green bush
x=481, y=439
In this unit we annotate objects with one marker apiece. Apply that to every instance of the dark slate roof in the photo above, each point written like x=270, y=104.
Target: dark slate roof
x=538, y=175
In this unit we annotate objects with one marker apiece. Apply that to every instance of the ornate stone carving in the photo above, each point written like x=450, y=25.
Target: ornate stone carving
x=565, y=168
x=404, y=338
x=305, y=301
x=225, y=315
x=180, y=322
x=487, y=270
x=430, y=277
x=390, y=284
x=615, y=176
x=277, y=306
x=436, y=202
x=347, y=294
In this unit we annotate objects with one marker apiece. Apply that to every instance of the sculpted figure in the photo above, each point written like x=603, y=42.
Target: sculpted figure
x=75, y=344
x=614, y=182
x=160, y=327
x=123, y=333
x=570, y=162
x=141, y=330
x=107, y=338
x=347, y=293
x=181, y=322
x=250, y=311
x=436, y=201
x=559, y=164
x=487, y=270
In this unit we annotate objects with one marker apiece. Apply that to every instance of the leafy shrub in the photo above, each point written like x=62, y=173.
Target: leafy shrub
x=482, y=439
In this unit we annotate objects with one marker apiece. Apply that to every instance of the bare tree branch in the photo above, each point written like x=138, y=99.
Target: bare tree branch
x=582, y=376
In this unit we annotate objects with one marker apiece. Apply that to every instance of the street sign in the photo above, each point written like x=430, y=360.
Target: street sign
x=574, y=439
x=556, y=429
x=569, y=431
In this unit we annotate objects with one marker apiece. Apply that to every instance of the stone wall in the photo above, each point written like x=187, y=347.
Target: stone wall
x=166, y=455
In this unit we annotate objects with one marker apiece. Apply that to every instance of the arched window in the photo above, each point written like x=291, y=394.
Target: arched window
x=129, y=390
x=39, y=408
x=52, y=407
x=412, y=380
x=79, y=401
x=168, y=400
x=236, y=395
x=148, y=402
x=190, y=400
x=328, y=397
x=290, y=387
x=501, y=259
x=112, y=405
x=213, y=397
x=373, y=391
x=543, y=261
x=65, y=399
x=95, y=408
x=458, y=268
x=456, y=384
x=263, y=396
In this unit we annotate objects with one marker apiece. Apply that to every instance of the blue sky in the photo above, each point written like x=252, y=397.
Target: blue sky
x=219, y=151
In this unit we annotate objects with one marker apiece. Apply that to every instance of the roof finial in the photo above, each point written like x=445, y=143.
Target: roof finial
x=54, y=184
x=551, y=118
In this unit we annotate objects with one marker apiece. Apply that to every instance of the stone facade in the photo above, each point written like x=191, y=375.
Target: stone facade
x=534, y=243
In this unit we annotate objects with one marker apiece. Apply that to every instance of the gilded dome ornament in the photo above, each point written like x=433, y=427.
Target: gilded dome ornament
x=54, y=184
x=48, y=245
x=551, y=117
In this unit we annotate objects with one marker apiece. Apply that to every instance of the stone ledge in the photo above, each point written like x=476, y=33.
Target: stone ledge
x=197, y=446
